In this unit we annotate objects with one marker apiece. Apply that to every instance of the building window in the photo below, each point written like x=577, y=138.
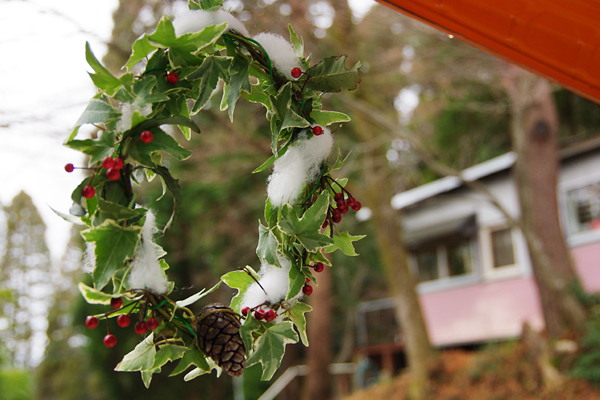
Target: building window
x=449, y=257
x=427, y=265
x=460, y=259
x=502, y=248
x=583, y=208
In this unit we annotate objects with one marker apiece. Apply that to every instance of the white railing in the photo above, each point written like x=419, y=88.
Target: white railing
x=302, y=370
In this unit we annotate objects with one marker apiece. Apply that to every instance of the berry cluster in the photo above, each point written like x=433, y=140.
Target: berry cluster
x=342, y=205
x=260, y=313
x=123, y=320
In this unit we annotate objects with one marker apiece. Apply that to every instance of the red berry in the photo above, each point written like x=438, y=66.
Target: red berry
x=152, y=324
x=296, y=73
x=341, y=204
x=336, y=219
x=146, y=136
x=89, y=192
x=325, y=223
x=110, y=340
x=123, y=321
x=141, y=328
x=259, y=314
x=91, y=322
x=116, y=302
x=270, y=315
x=172, y=78
x=351, y=201
x=245, y=311
x=344, y=208
x=118, y=163
x=336, y=213
x=307, y=290
x=338, y=196
x=108, y=162
x=113, y=174
x=357, y=206
x=319, y=267
x=307, y=280
x=69, y=167
x=317, y=130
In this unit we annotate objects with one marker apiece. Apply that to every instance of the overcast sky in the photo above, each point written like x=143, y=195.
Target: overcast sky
x=44, y=87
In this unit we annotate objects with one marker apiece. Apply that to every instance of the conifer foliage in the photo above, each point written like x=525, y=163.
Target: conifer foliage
x=181, y=66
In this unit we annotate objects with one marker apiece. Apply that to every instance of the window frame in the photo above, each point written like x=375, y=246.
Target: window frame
x=445, y=281
x=575, y=238
x=490, y=272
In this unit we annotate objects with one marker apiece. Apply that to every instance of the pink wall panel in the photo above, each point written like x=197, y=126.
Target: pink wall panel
x=587, y=264
x=485, y=311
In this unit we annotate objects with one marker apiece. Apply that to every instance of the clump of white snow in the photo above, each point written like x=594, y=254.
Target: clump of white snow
x=273, y=279
x=146, y=272
x=127, y=111
x=281, y=52
x=89, y=257
x=195, y=20
x=301, y=164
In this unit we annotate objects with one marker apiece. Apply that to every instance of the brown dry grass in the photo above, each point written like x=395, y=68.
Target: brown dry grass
x=500, y=372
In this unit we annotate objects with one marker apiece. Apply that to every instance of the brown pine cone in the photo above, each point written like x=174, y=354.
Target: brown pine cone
x=219, y=338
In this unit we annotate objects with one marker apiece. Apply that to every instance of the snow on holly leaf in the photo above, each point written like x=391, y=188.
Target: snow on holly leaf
x=270, y=347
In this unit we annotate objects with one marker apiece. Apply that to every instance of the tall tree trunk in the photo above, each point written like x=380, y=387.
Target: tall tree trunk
x=535, y=140
x=394, y=257
x=318, y=354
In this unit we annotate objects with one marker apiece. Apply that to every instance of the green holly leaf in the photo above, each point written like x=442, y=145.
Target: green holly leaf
x=102, y=78
x=168, y=353
x=247, y=330
x=140, y=50
x=326, y=118
x=213, y=68
x=114, y=245
x=282, y=105
x=93, y=296
x=142, y=90
x=209, y=5
x=199, y=371
x=306, y=229
x=267, y=246
x=191, y=357
x=239, y=81
x=173, y=186
x=258, y=95
x=117, y=212
x=270, y=348
x=141, y=358
x=331, y=75
x=156, y=122
x=98, y=110
x=194, y=298
x=164, y=34
x=297, y=316
x=343, y=241
x=297, y=281
x=161, y=141
x=241, y=281
x=97, y=149
x=296, y=42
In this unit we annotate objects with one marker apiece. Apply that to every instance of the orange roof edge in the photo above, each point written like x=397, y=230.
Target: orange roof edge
x=556, y=39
